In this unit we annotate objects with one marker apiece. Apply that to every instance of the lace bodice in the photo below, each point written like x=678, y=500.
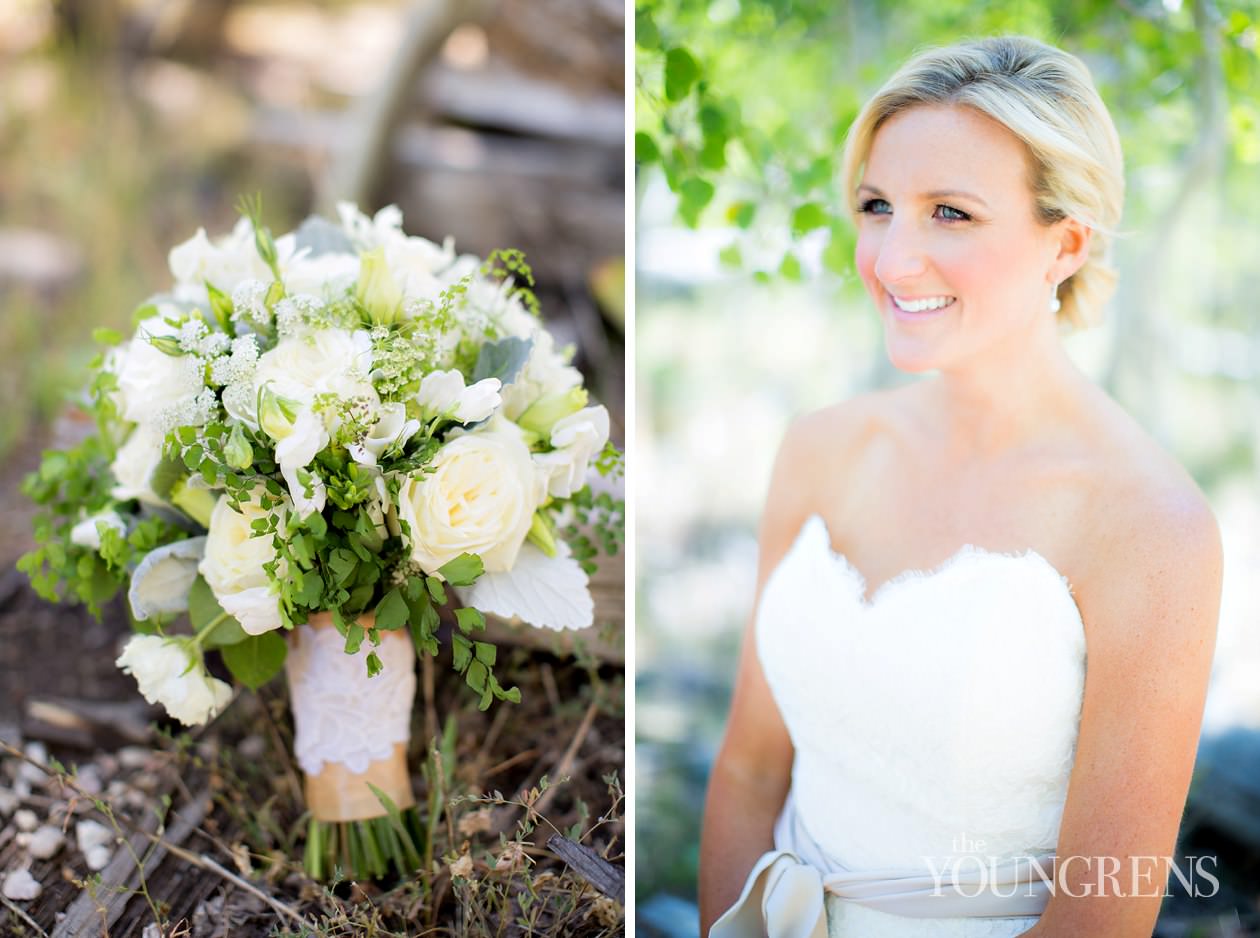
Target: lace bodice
x=936, y=720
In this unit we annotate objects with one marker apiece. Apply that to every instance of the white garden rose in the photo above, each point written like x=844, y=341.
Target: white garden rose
x=171, y=674
x=224, y=263
x=233, y=567
x=324, y=361
x=149, y=380
x=331, y=272
x=134, y=463
x=576, y=440
x=479, y=498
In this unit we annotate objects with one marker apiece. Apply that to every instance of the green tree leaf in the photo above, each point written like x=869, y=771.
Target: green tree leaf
x=694, y=195
x=681, y=72
x=645, y=149
x=646, y=35
x=807, y=217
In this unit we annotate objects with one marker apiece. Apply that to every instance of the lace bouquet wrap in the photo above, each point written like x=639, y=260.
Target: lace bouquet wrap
x=310, y=448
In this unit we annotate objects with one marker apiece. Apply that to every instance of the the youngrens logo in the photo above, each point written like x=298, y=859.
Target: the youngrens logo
x=970, y=876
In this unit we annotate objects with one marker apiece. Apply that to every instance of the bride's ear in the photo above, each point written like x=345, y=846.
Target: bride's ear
x=1074, y=239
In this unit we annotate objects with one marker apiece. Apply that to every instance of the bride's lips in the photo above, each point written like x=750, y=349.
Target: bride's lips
x=902, y=315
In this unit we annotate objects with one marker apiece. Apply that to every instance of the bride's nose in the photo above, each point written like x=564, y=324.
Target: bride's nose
x=901, y=255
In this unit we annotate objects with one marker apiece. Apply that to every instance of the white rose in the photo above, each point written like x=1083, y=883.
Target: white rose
x=224, y=263
x=443, y=392
x=306, y=274
x=134, y=463
x=413, y=262
x=257, y=609
x=170, y=674
x=575, y=439
x=233, y=567
x=479, y=498
x=393, y=427
x=325, y=361
x=149, y=380
x=86, y=534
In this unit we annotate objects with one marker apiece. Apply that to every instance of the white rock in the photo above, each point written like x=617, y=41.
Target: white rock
x=26, y=820
x=89, y=779
x=46, y=842
x=151, y=931
x=21, y=886
x=38, y=752
x=8, y=802
x=134, y=757
x=89, y=834
x=98, y=857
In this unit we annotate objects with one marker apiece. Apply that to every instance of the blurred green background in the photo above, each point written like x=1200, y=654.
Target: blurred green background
x=748, y=312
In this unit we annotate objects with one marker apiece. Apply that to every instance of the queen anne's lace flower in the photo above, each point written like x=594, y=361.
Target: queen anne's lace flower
x=249, y=305
x=295, y=314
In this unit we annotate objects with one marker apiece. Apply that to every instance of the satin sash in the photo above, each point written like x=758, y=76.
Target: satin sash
x=784, y=895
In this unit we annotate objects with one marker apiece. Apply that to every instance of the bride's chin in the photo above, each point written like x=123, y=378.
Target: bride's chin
x=910, y=362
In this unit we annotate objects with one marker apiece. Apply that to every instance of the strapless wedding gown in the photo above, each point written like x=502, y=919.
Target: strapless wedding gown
x=934, y=727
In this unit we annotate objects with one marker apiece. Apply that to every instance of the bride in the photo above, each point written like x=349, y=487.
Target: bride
x=916, y=746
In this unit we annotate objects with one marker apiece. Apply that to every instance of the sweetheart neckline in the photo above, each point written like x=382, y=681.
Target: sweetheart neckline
x=966, y=552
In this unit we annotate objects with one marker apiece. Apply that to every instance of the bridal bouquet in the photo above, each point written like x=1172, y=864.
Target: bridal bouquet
x=310, y=446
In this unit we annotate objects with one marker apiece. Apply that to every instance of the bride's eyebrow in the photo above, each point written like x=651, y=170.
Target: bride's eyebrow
x=934, y=194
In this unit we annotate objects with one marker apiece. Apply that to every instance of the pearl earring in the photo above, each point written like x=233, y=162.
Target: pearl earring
x=1055, y=305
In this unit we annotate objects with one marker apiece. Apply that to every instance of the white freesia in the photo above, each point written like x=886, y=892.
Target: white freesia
x=546, y=373
x=149, y=380
x=161, y=583
x=443, y=392
x=478, y=496
x=233, y=567
x=392, y=428
x=576, y=440
x=548, y=592
x=172, y=675
x=300, y=368
x=87, y=534
x=305, y=437
x=134, y=463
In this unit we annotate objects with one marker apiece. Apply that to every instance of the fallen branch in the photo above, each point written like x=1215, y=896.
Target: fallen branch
x=590, y=866
x=17, y=910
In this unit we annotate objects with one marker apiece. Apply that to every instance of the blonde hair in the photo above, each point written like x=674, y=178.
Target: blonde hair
x=1046, y=98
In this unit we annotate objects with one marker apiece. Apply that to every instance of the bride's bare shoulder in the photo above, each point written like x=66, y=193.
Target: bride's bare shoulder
x=833, y=436
x=822, y=448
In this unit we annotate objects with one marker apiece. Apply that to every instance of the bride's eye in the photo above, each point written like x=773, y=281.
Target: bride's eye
x=875, y=207
x=949, y=213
